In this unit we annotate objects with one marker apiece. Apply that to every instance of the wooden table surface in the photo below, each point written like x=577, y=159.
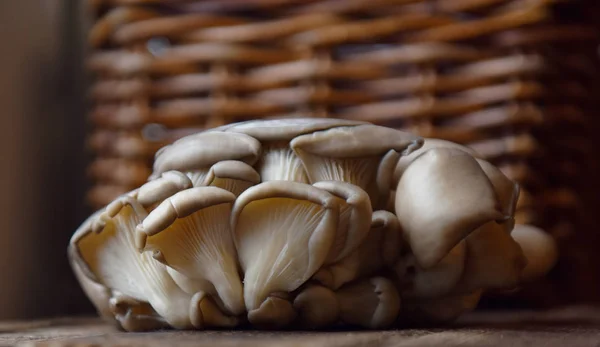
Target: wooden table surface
x=572, y=326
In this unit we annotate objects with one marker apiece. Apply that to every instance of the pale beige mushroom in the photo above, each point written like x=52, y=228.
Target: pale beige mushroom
x=540, y=250
x=438, y=310
x=371, y=303
x=283, y=232
x=157, y=190
x=428, y=144
x=507, y=192
x=234, y=176
x=381, y=248
x=108, y=252
x=442, y=197
x=134, y=315
x=354, y=221
x=278, y=161
x=190, y=233
x=317, y=307
x=494, y=260
x=418, y=283
x=355, y=155
x=195, y=154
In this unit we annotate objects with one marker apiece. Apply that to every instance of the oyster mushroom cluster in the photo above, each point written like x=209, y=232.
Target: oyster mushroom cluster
x=306, y=223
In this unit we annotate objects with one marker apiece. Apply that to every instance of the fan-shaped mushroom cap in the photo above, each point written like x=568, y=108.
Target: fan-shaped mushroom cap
x=439, y=280
x=353, y=155
x=109, y=253
x=439, y=310
x=428, y=144
x=381, y=247
x=232, y=175
x=354, y=221
x=278, y=161
x=506, y=190
x=195, y=154
x=441, y=198
x=190, y=233
x=372, y=303
x=317, y=307
x=134, y=315
x=494, y=260
x=167, y=184
x=287, y=129
x=283, y=231
x=539, y=248
x=274, y=312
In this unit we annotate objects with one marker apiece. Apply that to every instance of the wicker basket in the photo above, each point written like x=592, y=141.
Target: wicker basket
x=516, y=80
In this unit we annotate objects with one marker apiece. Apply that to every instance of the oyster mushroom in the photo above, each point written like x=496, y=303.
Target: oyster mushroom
x=283, y=232
x=428, y=144
x=439, y=280
x=108, y=252
x=354, y=155
x=371, y=303
x=157, y=190
x=540, y=250
x=134, y=315
x=234, y=176
x=195, y=154
x=442, y=197
x=380, y=248
x=317, y=307
x=190, y=233
x=494, y=260
x=278, y=161
x=354, y=221
x=507, y=191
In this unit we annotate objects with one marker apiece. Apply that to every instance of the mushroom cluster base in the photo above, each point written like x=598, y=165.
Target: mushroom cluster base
x=307, y=223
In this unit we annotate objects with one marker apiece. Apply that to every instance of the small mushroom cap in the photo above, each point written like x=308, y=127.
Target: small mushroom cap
x=381, y=247
x=428, y=144
x=287, y=129
x=436, y=281
x=354, y=142
x=134, y=315
x=372, y=303
x=236, y=170
x=167, y=184
x=273, y=313
x=283, y=231
x=506, y=190
x=355, y=216
x=317, y=307
x=539, y=248
x=203, y=150
x=441, y=198
x=204, y=312
x=494, y=260
x=180, y=205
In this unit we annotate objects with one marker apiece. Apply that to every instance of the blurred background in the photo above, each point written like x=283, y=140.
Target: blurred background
x=90, y=89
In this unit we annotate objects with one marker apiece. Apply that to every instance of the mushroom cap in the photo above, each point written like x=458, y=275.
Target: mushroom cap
x=236, y=170
x=428, y=144
x=283, y=231
x=180, y=205
x=357, y=141
x=436, y=281
x=442, y=197
x=287, y=129
x=540, y=249
x=372, y=303
x=317, y=307
x=167, y=184
x=204, y=150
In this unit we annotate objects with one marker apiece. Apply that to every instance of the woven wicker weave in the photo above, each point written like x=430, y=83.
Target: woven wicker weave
x=513, y=79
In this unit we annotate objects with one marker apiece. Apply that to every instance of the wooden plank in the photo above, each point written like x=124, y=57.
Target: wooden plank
x=574, y=326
